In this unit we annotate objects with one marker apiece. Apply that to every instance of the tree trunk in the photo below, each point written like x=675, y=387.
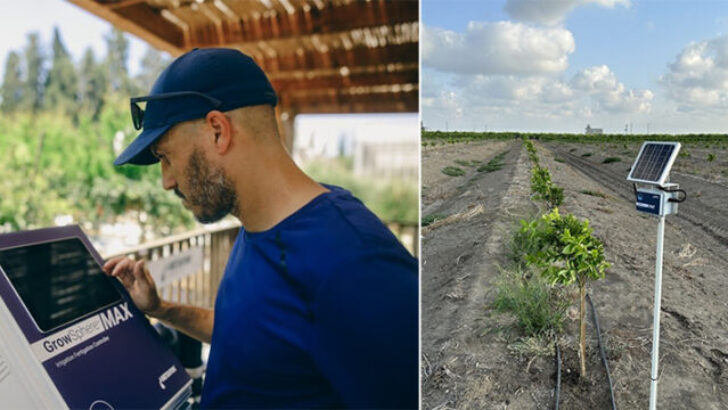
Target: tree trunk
x=582, y=328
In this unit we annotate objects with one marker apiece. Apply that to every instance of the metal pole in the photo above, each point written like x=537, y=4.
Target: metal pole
x=656, y=312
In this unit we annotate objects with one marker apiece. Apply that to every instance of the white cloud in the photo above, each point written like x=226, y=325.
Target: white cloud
x=600, y=83
x=596, y=86
x=698, y=78
x=497, y=48
x=516, y=89
x=552, y=12
x=438, y=99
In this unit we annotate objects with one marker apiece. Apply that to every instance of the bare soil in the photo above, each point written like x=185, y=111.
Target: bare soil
x=468, y=355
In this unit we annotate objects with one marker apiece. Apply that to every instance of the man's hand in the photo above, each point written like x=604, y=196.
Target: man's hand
x=192, y=320
x=138, y=282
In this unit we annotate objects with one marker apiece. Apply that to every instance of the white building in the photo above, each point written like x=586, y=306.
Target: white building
x=593, y=131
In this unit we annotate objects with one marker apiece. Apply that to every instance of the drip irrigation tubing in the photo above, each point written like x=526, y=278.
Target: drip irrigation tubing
x=557, y=392
x=601, y=351
x=558, y=374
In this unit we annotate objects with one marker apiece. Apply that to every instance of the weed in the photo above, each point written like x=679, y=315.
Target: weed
x=453, y=171
x=609, y=160
x=464, y=163
x=594, y=193
x=587, y=154
x=684, y=154
x=532, y=346
x=537, y=306
x=494, y=164
x=557, y=159
x=429, y=219
x=711, y=157
x=572, y=150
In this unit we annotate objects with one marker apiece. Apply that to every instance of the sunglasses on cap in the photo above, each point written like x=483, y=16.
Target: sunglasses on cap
x=137, y=112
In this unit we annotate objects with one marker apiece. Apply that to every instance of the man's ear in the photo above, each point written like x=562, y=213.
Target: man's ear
x=222, y=131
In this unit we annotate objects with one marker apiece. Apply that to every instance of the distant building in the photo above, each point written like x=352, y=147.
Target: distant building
x=593, y=131
x=395, y=156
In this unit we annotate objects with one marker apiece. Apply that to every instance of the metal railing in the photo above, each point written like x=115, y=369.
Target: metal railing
x=200, y=287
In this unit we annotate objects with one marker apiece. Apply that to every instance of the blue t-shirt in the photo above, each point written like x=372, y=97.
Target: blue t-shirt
x=320, y=311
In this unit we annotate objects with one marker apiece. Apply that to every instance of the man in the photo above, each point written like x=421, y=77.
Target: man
x=318, y=305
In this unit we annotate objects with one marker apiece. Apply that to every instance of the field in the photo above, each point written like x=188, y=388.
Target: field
x=475, y=357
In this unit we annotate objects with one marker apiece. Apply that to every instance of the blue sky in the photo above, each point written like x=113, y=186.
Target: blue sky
x=79, y=29
x=557, y=66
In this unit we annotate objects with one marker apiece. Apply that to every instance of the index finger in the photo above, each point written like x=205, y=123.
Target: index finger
x=109, y=265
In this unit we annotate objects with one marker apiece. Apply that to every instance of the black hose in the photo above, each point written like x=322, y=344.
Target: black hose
x=558, y=374
x=601, y=351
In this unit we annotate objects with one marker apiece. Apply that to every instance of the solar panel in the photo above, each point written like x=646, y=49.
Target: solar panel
x=653, y=163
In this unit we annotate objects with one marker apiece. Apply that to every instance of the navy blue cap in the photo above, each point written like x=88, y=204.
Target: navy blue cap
x=224, y=74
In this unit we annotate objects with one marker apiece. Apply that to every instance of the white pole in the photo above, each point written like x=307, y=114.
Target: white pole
x=656, y=312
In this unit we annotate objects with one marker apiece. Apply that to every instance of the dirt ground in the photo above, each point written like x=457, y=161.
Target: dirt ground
x=468, y=356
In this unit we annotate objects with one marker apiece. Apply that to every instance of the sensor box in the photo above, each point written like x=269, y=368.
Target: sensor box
x=656, y=201
x=71, y=337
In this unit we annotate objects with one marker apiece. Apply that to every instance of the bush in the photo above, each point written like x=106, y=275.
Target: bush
x=391, y=199
x=453, y=171
x=537, y=306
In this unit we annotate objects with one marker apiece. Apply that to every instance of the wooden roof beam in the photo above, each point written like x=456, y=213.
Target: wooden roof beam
x=340, y=81
x=334, y=17
x=357, y=103
x=337, y=71
x=339, y=57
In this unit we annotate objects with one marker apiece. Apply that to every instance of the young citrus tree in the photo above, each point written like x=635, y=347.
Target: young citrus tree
x=568, y=253
x=545, y=189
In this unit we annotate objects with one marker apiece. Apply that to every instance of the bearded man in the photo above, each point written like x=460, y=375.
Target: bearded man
x=318, y=305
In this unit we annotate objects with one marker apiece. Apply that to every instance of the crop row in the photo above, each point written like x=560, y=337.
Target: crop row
x=562, y=247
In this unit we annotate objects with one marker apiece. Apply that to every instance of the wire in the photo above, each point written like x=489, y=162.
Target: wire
x=601, y=350
x=684, y=197
x=684, y=194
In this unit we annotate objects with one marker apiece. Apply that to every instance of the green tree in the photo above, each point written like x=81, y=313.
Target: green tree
x=34, y=74
x=117, y=58
x=12, y=89
x=92, y=85
x=61, y=89
x=152, y=64
x=568, y=253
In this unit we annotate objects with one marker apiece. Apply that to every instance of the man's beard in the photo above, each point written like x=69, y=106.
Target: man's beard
x=211, y=194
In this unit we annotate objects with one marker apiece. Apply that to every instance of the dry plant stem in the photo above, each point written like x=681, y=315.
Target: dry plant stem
x=582, y=327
